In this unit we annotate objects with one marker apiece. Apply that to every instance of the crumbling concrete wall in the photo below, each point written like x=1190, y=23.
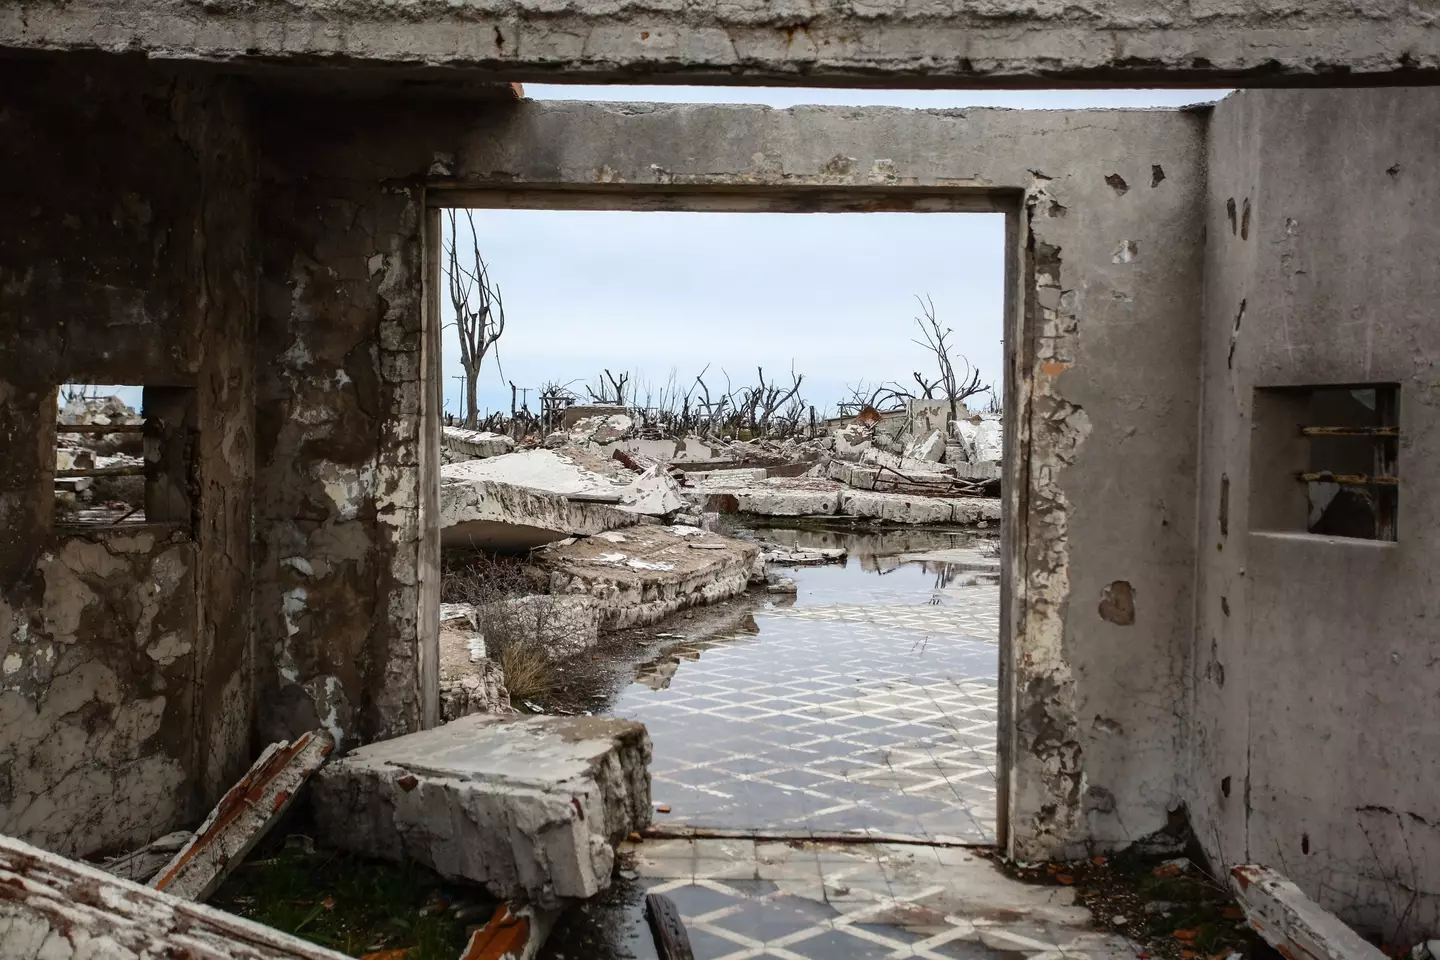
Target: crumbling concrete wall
x=1005, y=43
x=341, y=575
x=124, y=656
x=1315, y=749
x=1108, y=205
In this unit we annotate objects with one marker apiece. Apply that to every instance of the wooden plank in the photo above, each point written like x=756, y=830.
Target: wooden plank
x=129, y=470
x=61, y=909
x=1348, y=479
x=142, y=864
x=672, y=941
x=1350, y=431
x=243, y=816
x=1292, y=923
x=100, y=428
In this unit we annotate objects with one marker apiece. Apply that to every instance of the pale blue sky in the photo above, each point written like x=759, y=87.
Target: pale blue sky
x=835, y=293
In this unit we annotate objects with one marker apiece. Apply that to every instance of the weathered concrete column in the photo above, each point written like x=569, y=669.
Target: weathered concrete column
x=338, y=504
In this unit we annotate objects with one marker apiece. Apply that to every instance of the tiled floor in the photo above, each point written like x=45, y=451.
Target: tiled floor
x=800, y=900
x=874, y=716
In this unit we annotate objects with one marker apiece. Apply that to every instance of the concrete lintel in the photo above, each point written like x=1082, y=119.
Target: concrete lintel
x=948, y=43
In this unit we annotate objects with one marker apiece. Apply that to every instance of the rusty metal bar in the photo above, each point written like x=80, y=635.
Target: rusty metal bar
x=1350, y=431
x=1348, y=479
x=99, y=428
x=136, y=470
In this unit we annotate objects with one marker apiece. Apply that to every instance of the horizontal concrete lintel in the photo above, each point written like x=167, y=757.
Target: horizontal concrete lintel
x=723, y=198
x=938, y=43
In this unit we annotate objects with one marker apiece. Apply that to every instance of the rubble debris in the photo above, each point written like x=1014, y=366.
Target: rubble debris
x=60, y=909
x=243, y=815
x=562, y=625
x=470, y=682
x=815, y=497
x=643, y=574
x=475, y=444
x=529, y=807
x=142, y=864
x=783, y=556
x=514, y=933
x=506, y=518
x=1294, y=924
x=576, y=475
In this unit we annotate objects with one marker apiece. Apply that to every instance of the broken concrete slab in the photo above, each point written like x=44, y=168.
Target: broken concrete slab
x=1292, y=923
x=243, y=816
x=929, y=448
x=646, y=573
x=776, y=497
x=475, y=444
x=506, y=518
x=576, y=475
x=529, y=807
x=59, y=909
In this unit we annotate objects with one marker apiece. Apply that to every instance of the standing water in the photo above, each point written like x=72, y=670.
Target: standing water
x=864, y=706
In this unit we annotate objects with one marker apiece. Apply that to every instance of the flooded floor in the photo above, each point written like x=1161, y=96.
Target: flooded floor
x=867, y=707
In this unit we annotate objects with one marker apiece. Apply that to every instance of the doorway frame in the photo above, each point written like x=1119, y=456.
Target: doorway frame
x=1018, y=334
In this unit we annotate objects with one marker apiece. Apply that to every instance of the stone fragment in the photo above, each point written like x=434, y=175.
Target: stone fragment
x=529, y=807
x=476, y=444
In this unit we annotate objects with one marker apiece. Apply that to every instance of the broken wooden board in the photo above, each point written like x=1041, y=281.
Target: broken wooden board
x=243, y=816
x=62, y=909
x=142, y=864
x=513, y=933
x=1292, y=923
x=672, y=940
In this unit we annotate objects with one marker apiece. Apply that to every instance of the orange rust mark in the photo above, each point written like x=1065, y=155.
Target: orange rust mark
x=245, y=794
x=644, y=34
x=579, y=810
x=504, y=936
x=408, y=782
x=280, y=800
x=1053, y=368
x=399, y=953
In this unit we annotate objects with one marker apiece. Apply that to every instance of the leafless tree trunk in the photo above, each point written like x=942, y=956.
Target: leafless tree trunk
x=479, y=311
x=955, y=387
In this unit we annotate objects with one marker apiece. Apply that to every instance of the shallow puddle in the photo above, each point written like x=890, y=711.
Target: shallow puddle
x=863, y=706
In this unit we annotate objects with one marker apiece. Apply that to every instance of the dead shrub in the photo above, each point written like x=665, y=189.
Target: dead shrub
x=515, y=632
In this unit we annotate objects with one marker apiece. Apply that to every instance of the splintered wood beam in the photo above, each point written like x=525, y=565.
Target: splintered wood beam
x=243, y=816
x=61, y=909
x=513, y=933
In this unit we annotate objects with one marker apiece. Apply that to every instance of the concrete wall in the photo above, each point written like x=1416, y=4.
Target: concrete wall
x=1110, y=204
x=342, y=571
x=1004, y=43
x=1315, y=746
x=124, y=691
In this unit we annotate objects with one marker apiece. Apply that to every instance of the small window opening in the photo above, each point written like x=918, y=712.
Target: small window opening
x=1325, y=460
x=116, y=465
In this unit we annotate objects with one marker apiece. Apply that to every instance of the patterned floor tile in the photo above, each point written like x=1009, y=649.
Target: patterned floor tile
x=873, y=716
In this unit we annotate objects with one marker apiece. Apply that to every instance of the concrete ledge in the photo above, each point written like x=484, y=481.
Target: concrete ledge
x=530, y=807
x=492, y=515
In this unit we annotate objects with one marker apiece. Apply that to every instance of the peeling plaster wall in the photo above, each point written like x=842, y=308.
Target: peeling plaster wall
x=1111, y=200
x=890, y=42
x=1315, y=749
x=338, y=505
x=124, y=658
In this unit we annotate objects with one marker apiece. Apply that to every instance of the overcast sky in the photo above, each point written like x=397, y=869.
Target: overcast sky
x=835, y=294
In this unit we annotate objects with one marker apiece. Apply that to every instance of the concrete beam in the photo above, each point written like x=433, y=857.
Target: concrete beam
x=953, y=43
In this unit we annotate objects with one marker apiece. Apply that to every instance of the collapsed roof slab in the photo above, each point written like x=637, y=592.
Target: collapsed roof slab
x=947, y=43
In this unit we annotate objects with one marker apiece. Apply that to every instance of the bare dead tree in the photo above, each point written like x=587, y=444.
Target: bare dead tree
x=955, y=386
x=610, y=389
x=479, y=311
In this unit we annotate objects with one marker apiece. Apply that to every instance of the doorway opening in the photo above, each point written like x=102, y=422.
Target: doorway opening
x=761, y=438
